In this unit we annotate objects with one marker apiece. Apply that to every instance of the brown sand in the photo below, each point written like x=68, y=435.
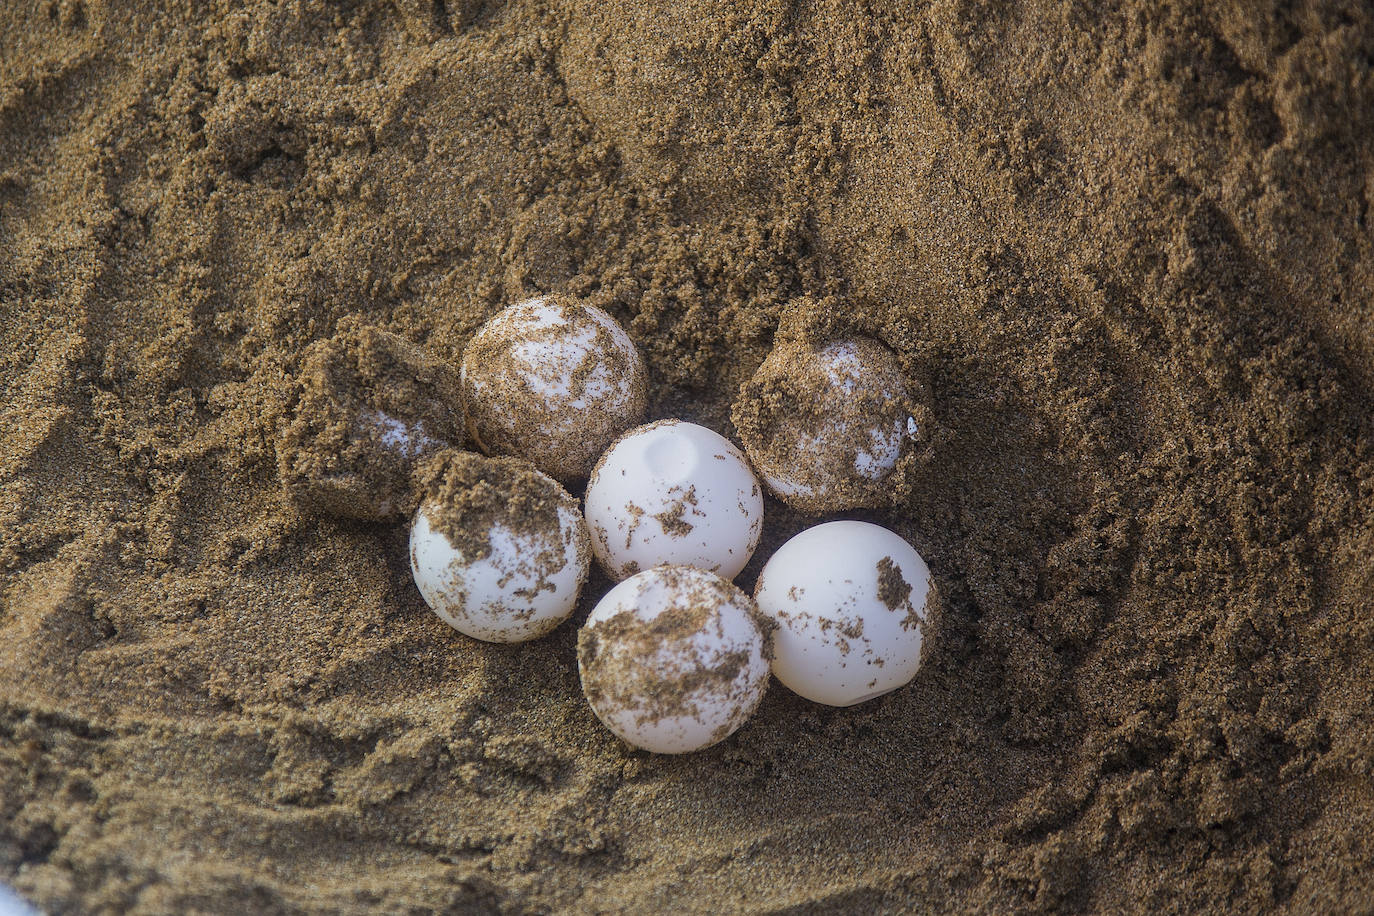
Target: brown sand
x=1130, y=248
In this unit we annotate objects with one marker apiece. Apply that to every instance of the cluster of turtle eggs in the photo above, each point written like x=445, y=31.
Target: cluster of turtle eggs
x=675, y=657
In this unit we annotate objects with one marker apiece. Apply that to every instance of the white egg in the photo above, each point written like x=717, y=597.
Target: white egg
x=673, y=659
x=501, y=553
x=825, y=426
x=673, y=492
x=553, y=381
x=849, y=601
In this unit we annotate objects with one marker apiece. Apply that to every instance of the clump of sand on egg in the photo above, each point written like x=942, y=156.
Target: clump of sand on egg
x=372, y=406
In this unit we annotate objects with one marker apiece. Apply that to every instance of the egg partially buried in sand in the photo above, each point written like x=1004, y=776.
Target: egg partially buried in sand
x=498, y=550
x=826, y=425
x=673, y=659
x=554, y=381
x=676, y=493
x=849, y=602
x=373, y=406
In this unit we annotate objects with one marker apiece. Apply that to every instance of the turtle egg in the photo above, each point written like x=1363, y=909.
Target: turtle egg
x=498, y=550
x=677, y=493
x=673, y=659
x=372, y=407
x=826, y=425
x=552, y=380
x=849, y=602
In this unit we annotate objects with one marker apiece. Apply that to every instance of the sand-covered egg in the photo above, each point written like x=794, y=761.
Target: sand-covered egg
x=825, y=424
x=676, y=493
x=372, y=407
x=849, y=600
x=552, y=380
x=673, y=659
x=498, y=549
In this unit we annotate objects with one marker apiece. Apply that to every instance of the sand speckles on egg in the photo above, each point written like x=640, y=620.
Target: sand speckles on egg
x=849, y=600
x=673, y=492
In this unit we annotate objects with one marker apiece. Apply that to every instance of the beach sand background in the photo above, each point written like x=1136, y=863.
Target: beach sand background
x=1128, y=249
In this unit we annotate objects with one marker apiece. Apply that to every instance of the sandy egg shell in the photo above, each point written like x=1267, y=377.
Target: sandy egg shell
x=554, y=381
x=825, y=425
x=372, y=407
x=499, y=550
x=673, y=659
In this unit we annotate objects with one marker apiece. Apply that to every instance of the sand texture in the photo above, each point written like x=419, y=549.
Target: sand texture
x=1125, y=249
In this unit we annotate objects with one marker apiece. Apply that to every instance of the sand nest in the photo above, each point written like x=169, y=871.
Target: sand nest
x=1128, y=247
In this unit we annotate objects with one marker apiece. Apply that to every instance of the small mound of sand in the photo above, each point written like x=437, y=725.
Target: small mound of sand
x=372, y=406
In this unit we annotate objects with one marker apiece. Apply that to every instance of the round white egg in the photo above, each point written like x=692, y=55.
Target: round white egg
x=553, y=381
x=673, y=659
x=504, y=583
x=677, y=493
x=849, y=601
